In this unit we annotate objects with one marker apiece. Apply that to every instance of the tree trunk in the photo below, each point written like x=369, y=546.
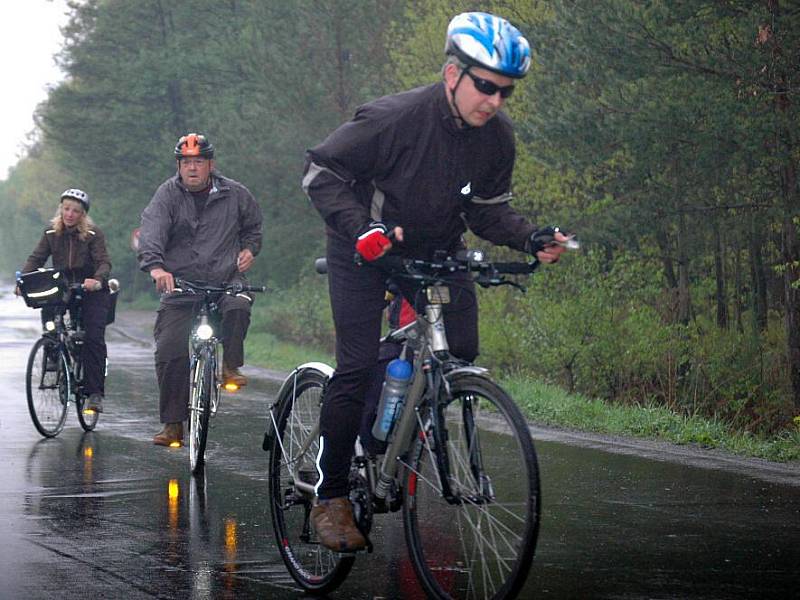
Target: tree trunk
x=738, y=286
x=791, y=276
x=666, y=258
x=173, y=87
x=719, y=273
x=684, y=296
x=758, y=277
x=782, y=82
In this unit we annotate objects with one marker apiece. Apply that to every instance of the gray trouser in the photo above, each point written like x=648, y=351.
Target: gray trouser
x=172, y=330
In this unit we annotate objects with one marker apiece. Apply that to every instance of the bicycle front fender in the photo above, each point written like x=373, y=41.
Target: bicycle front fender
x=323, y=368
x=451, y=376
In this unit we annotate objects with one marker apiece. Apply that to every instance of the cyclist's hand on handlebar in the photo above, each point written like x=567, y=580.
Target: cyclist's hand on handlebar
x=376, y=240
x=164, y=281
x=91, y=285
x=245, y=260
x=548, y=244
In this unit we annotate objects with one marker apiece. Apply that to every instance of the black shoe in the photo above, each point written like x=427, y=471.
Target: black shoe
x=94, y=403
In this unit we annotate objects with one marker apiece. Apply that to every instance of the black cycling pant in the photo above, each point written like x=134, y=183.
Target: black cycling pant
x=172, y=330
x=357, y=297
x=94, y=314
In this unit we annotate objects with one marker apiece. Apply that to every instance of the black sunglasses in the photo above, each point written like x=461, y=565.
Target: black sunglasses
x=484, y=86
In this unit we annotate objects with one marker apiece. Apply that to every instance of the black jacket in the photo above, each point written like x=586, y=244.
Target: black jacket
x=402, y=160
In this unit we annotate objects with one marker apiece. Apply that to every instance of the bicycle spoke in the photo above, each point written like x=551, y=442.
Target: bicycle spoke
x=47, y=386
x=486, y=531
x=293, y=451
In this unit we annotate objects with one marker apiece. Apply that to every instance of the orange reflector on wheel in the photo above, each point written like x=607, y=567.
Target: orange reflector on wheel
x=231, y=387
x=175, y=444
x=88, y=411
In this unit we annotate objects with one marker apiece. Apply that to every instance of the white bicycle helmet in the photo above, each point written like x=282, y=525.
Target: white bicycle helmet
x=79, y=195
x=483, y=40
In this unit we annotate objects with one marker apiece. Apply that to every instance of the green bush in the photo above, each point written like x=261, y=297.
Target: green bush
x=301, y=314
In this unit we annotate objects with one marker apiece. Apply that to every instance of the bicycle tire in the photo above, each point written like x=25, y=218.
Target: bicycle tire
x=315, y=568
x=202, y=380
x=87, y=420
x=47, y=386
x=482, y=545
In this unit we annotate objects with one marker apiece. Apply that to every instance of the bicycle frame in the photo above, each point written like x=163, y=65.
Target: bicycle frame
x=67, y=335
x=427, y=337
x=444, y=462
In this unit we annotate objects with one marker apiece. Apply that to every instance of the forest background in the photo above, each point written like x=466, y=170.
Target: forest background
x=663, y=132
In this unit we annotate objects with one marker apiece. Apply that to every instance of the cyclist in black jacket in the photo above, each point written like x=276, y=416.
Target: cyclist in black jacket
x=412, y=171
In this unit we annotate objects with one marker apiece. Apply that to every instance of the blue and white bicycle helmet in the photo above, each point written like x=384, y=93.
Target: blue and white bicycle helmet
x=79, y=195
x=483, y=40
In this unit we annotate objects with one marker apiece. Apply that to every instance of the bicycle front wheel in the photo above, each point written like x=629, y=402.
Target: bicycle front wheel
x=474, y=536
x=202, y=382
x=88, y=420
x=293, y=452
x=48, y=386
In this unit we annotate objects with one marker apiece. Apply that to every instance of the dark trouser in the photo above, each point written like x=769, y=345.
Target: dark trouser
x=94, y=311
x=172, y=330
x=357, y=301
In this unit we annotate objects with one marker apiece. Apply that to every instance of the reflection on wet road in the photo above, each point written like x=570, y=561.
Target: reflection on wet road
x=107, y=514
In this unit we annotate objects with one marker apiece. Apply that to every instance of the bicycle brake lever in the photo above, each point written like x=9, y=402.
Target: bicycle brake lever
x=514, y=284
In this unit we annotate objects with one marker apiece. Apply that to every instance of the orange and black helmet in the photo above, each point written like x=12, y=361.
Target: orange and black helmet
x=194, y=144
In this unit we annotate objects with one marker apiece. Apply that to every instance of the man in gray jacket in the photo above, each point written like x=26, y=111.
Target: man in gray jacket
x=199, y=226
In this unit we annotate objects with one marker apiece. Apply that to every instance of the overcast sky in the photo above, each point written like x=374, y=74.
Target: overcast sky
x=29, y=38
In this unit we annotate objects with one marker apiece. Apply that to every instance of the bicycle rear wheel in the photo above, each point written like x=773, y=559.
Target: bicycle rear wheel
x=294, y=449
x=87, y=420
x=480, y=543
x=48, y=386
x=202, y=382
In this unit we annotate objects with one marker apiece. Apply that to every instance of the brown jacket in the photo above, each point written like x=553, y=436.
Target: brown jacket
x=76, y=258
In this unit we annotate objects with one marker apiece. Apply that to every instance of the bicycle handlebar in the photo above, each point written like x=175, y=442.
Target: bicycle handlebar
x=488, y=274
x=195, y=287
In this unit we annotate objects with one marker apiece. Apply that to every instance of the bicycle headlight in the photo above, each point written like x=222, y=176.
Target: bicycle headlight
x=477, y=256
x=205, y=331
x=50, y=325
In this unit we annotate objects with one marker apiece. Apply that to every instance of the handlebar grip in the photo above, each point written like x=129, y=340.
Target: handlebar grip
x=254, y=288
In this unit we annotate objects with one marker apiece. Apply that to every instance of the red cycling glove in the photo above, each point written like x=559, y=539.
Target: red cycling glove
x=372, y=242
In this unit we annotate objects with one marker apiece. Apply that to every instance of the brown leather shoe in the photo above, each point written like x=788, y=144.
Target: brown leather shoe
x=94, y=403
x=335, y=527
x=233, y=376
x=172, y=432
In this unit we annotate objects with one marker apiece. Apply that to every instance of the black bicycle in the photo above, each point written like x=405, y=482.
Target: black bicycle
x=460, y=462
x=54, y=375
x=205, y=378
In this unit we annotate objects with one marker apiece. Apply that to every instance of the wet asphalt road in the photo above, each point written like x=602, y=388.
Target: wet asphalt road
x=108, y=515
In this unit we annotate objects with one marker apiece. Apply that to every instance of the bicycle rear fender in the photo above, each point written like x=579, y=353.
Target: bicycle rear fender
x=323, y=368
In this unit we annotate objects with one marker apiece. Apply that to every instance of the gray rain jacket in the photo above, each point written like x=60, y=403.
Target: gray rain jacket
x=199, y=246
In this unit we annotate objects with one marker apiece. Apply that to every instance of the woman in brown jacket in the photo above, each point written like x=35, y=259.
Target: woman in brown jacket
x=78, y=250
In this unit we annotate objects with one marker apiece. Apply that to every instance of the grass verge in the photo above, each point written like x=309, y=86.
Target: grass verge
x=265, y=350
x=551, y=405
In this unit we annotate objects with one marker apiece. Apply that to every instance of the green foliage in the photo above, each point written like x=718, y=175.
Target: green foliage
x=301, y=314
x=601, y=334
x=663, y=133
